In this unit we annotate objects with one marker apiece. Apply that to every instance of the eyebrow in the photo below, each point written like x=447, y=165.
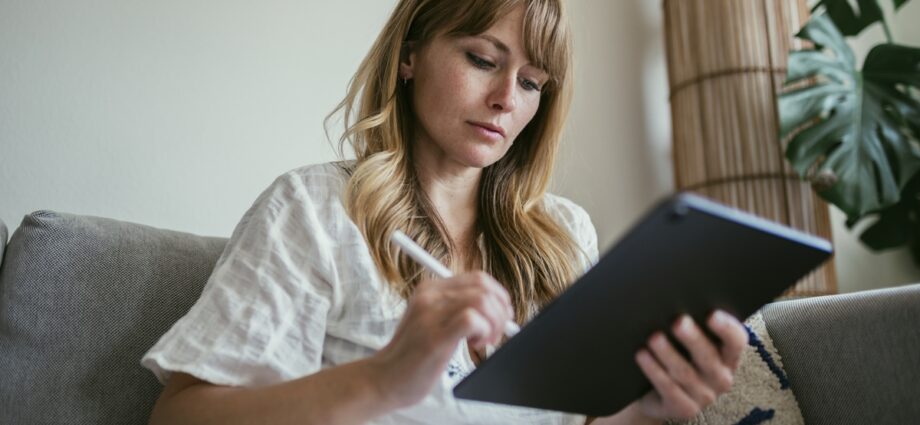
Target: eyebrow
x=498, y=44
x=504, y=48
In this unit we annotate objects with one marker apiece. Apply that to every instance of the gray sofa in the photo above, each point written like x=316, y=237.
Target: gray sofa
x=82, y=298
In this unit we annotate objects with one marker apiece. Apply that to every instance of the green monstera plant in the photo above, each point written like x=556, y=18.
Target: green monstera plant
x=854, y=132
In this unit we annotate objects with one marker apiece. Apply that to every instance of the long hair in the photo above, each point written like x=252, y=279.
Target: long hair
x=524, y=248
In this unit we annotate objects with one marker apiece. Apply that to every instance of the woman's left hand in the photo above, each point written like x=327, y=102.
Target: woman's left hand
x=683, y=388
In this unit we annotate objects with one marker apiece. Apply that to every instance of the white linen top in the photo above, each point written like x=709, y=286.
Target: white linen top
x=296, y=290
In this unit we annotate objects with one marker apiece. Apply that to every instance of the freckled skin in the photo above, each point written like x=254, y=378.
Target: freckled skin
x=450, y=89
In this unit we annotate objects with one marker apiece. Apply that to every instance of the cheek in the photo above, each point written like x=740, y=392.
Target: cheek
x=525, y=114
x=444, y=96
x=462, y=88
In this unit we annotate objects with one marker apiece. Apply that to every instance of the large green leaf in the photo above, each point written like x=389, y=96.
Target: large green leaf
x=851, y=21
x=897, y=225
x=858, y=128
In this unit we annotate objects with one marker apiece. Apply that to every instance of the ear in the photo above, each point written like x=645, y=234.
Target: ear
x=407, y=61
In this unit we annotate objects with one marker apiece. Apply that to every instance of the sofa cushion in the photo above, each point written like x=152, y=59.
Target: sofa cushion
x=760, y=393
x=81, y=300
x=852, y=358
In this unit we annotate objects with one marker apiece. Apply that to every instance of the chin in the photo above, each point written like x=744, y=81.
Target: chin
x=480, y=158
x=480, y=162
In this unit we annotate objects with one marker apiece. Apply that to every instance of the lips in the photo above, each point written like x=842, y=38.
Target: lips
x=491, y=127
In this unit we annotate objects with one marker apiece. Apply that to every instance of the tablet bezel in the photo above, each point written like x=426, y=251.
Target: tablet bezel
x=558, y=362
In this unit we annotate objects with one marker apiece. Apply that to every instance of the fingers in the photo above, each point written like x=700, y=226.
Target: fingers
x=733, y=335
x=470, y=323
x=668, y=399
x=681, y=371
x=685, y=386
x=481, y=293
x=705, y=355
x=487, y=282
x=489, y=307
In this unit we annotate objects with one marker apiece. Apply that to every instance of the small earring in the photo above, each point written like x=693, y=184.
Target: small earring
x=405, y=81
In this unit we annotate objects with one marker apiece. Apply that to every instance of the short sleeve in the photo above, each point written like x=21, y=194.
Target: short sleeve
x=261, y=317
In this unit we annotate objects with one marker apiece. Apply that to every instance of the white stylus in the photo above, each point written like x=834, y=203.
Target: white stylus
x=430, y=263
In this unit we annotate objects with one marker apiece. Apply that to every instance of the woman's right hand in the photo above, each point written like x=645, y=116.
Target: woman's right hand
x=440, y=313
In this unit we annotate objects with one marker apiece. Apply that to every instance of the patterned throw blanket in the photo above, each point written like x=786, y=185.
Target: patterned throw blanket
x=761, y=393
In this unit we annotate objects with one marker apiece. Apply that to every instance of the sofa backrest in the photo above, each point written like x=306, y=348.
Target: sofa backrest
x=81, y=300
x=852, y=358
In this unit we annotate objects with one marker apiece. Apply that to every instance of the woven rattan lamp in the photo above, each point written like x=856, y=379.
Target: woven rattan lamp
x=726, y=63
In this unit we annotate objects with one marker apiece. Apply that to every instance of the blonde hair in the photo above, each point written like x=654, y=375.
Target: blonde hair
x=525, y=249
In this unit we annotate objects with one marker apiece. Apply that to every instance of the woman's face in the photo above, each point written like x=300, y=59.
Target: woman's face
x=473, y=95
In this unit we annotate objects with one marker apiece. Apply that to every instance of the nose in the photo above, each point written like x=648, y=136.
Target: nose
x=502, y=96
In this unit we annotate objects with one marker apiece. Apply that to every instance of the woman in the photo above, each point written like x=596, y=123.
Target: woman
x=312, y=316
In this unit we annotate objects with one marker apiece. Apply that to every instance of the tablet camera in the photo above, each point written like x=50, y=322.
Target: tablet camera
x=678, y=211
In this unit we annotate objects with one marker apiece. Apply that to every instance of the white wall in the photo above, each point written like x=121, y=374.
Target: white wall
x=169, y=113
x=616, y=160
x=177, y=114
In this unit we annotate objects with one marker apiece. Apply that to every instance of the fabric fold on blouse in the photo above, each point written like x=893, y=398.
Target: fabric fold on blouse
x=296, y=291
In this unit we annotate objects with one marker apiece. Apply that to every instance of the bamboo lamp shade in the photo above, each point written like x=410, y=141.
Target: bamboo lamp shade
x=726, y=64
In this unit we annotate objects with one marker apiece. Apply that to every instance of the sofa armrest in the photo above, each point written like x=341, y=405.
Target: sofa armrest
x=852, y=358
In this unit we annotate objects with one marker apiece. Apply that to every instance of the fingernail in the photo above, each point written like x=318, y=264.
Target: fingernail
x=722, y=317
x=641, y=355
x=686, y=324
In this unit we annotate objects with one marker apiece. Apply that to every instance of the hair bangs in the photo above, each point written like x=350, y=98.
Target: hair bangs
x=545, y=35
x=457, y=18
x=546, y=38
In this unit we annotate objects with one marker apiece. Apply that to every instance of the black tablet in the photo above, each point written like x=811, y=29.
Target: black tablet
x=687, y=255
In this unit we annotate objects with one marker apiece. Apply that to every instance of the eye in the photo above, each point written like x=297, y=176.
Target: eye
x=480, y=62
x=529, y=85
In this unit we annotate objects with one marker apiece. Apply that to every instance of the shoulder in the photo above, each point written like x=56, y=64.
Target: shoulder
x=565, y=211
x=575, y=220
x=316, y=181
x=305, y=199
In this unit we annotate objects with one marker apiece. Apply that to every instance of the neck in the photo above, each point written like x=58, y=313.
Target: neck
x=456, y=200
x=453, y=190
